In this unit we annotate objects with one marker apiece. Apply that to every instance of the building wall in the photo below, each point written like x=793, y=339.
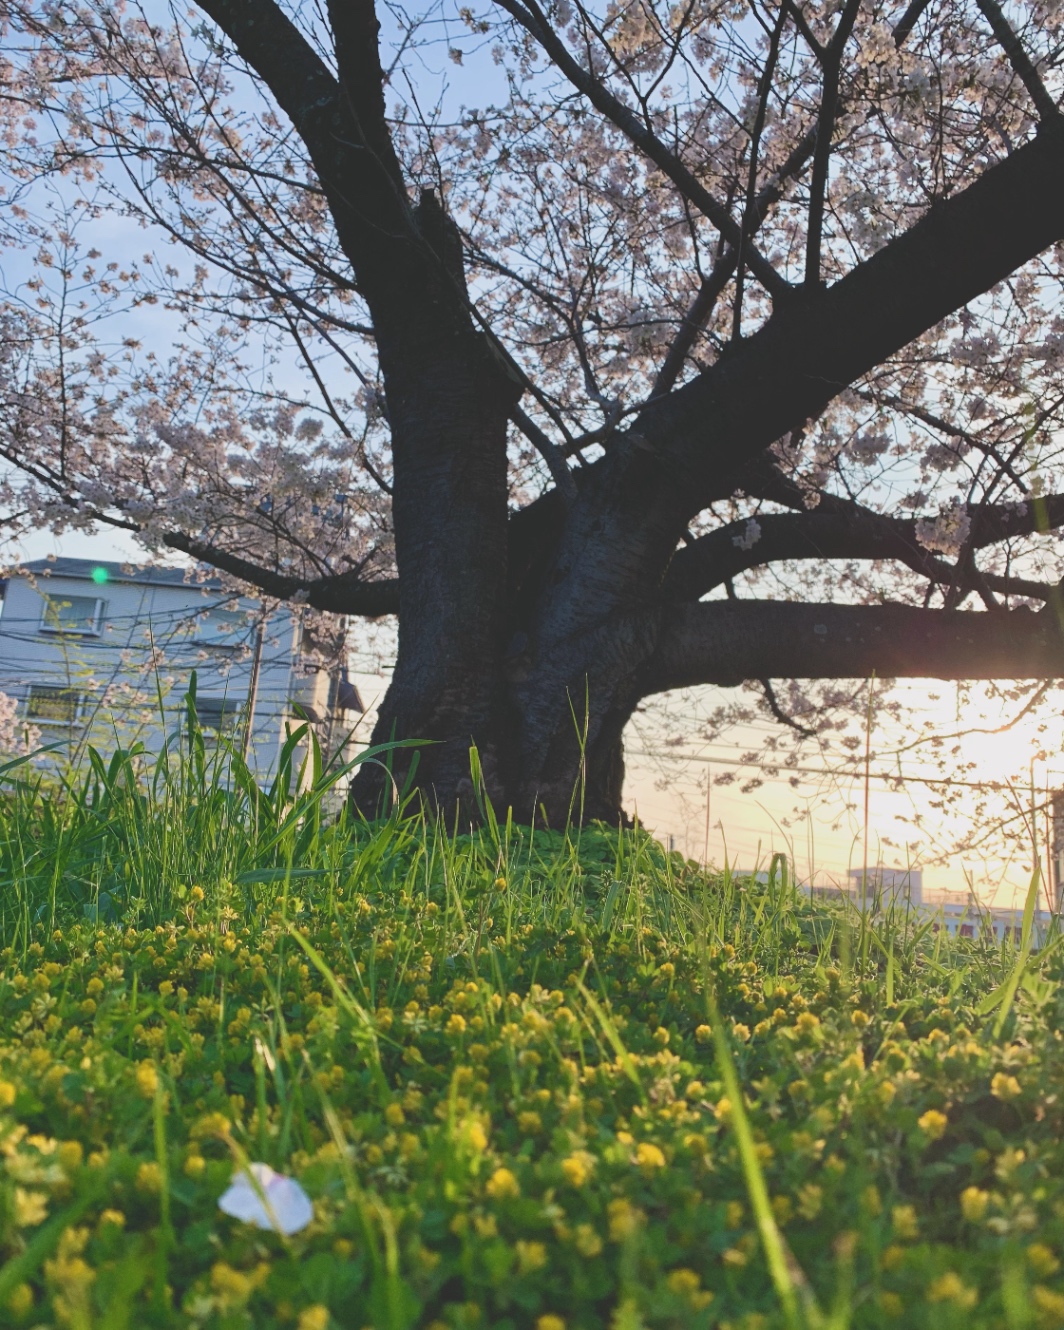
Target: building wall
x=151, y=637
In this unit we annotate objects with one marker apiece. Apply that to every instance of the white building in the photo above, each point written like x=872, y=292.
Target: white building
x=104, y=653
x=889, y=886
x=958, y=912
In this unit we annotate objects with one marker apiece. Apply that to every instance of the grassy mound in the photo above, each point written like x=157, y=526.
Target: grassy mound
x=506, y=1069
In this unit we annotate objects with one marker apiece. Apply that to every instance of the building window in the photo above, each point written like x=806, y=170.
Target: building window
x=48, y=704
x=218, y=714
x=79, y=616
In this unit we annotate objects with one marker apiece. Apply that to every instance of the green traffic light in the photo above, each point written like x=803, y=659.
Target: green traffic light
x=100, y=575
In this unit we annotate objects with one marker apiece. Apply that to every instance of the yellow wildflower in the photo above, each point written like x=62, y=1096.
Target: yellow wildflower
x=586, y=1241
x=890, y=1304
x=906, y=1225
x=1049, y=1302
x=1041, y=1260
x=704, y=1033
x=233, y=1288
x=892, y=1257
x=20, y=1300
x=313, y=1318
x=1005, y=1087
x=70, y=1155
x=475, y=1135
x=502, y=1185
x=7, y=1094
x=649, y=1157
x=194, y=1166
x=530, y=1255
x=30, y=1209
x=951, y=1288
x=147, y=1080
x=149, y=1179
x=810, y=1200
x=933, y=1124
x=624, y=1219
x=973, y=1203
x=550, y=1322
x=577, y=1167
x=688, y=1285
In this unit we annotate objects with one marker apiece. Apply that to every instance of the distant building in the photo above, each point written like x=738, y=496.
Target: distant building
x=888, y=885
x=957, y=912
x=104, y=653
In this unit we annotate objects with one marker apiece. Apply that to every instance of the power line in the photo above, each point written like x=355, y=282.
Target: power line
x=856, y=773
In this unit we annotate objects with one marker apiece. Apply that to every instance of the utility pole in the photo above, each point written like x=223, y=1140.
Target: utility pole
x=253, y=691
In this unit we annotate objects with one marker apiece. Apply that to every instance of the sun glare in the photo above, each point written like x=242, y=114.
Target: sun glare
x=975, y=740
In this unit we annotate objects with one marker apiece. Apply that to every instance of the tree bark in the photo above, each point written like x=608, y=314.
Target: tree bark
x=725, y=642
x=449, y=507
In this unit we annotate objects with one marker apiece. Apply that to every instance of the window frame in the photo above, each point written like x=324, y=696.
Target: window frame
x=56, y=691
x=227, y=708
x=60, y=629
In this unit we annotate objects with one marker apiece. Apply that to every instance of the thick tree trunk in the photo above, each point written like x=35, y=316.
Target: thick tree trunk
x=449, y=425
x=558, y=755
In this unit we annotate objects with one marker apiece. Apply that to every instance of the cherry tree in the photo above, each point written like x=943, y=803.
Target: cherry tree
x=614, y=348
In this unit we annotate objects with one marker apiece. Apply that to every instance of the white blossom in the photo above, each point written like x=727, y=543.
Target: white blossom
x=946, y=533
x=751, y=535
x=277, y=1202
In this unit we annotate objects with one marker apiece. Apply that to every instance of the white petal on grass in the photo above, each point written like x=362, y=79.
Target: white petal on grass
x=287, y=1208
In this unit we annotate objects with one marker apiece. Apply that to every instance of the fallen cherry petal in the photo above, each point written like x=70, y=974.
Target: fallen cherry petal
x=288, y=1207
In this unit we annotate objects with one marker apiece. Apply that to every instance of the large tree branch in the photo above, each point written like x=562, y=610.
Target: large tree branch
x=810, y=349
x=1019, y=59
x=400, y=257
x=725, y=642
x=840, y=529
x=342, y=593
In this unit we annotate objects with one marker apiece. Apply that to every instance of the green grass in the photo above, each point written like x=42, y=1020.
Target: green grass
x=529, y=1080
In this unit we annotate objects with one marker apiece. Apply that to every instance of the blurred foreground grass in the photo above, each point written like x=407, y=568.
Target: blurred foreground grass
x=504, y=1067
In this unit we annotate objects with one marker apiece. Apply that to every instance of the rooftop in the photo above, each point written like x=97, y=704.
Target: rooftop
x=101, y=571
